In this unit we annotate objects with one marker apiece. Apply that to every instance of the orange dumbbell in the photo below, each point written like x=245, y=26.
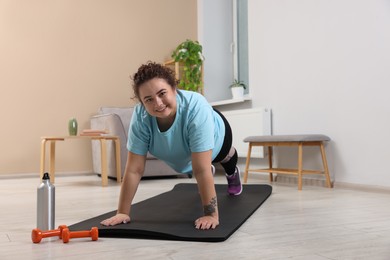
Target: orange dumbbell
x=67, y=234
x=37, y=234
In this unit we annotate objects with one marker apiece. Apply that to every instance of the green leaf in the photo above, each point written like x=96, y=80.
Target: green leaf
x=189, y=53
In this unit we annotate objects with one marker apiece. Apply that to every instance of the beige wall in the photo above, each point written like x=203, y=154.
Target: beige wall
x=63, y=58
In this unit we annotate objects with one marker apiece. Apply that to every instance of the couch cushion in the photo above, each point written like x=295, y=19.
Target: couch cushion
x=125, y=113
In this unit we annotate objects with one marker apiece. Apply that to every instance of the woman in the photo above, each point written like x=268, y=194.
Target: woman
x=182, y=129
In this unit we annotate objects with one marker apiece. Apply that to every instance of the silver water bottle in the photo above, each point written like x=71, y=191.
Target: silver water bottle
x=45, y=204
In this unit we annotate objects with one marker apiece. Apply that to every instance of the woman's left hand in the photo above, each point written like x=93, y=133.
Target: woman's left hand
x=206, y=222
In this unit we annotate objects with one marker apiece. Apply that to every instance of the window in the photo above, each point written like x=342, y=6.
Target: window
x=223, y=33
x=241, y=72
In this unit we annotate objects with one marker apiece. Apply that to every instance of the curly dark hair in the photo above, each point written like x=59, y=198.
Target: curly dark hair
x=152, y=70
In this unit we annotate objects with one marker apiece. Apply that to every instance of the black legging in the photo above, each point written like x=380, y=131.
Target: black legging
x=229, y=166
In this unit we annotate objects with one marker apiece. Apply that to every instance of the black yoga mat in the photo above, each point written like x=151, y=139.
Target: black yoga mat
x=171, y=215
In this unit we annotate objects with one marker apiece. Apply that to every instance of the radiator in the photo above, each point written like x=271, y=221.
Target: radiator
x=248, y=122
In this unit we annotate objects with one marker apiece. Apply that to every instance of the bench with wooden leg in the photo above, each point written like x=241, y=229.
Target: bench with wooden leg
x=299, y=141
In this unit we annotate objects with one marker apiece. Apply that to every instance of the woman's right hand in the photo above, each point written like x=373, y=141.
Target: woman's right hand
x=115, y=220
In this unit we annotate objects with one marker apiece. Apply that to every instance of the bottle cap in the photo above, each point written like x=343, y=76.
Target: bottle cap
x=46, y=176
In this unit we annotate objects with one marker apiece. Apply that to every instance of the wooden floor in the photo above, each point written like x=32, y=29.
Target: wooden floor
x=315, y=223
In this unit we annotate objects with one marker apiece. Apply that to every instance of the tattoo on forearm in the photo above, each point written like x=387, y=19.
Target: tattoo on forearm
x=210, y=208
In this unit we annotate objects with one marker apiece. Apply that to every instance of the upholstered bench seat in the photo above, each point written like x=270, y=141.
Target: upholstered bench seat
x=288, y=140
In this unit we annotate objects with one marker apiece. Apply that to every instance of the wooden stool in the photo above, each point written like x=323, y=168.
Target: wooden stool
x=288, y=140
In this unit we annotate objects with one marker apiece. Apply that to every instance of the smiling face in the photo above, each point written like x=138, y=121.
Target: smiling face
x=159, y=99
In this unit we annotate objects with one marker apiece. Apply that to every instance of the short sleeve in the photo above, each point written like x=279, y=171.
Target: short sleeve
x=201, y=128
x=139, y=133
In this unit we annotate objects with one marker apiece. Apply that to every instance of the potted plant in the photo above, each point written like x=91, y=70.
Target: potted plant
x=237, y=88
x=189, y=55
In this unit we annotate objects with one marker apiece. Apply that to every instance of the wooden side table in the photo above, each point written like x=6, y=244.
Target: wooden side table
x=103, y=144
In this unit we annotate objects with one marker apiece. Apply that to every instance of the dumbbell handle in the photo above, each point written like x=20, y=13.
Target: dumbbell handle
x=66, y=234
x=37, y=234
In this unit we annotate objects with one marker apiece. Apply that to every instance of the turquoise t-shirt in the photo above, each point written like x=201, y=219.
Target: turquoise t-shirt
x=197, y=128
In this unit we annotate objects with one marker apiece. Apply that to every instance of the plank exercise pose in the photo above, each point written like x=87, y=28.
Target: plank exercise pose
x=182, y=129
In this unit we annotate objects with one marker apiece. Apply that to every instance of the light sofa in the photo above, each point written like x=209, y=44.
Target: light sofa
x=116, y=121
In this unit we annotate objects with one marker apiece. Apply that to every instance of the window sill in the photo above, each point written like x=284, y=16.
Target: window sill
x=230, y=101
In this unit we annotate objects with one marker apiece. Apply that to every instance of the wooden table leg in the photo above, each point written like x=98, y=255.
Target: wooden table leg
x=118, y=160
x=248, y=158
x=270, y=154
x=103, y=149
x=325, y=163
x=43, y=158
x=52, y=160
x=300, y=148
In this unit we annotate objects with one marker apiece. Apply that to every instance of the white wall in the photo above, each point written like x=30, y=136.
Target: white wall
x=323, y=67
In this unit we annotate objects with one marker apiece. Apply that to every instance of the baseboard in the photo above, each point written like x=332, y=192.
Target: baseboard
x=291, y=179
x=280, y=178
x=76, y=173
x=362, y=187
x=36, y=175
